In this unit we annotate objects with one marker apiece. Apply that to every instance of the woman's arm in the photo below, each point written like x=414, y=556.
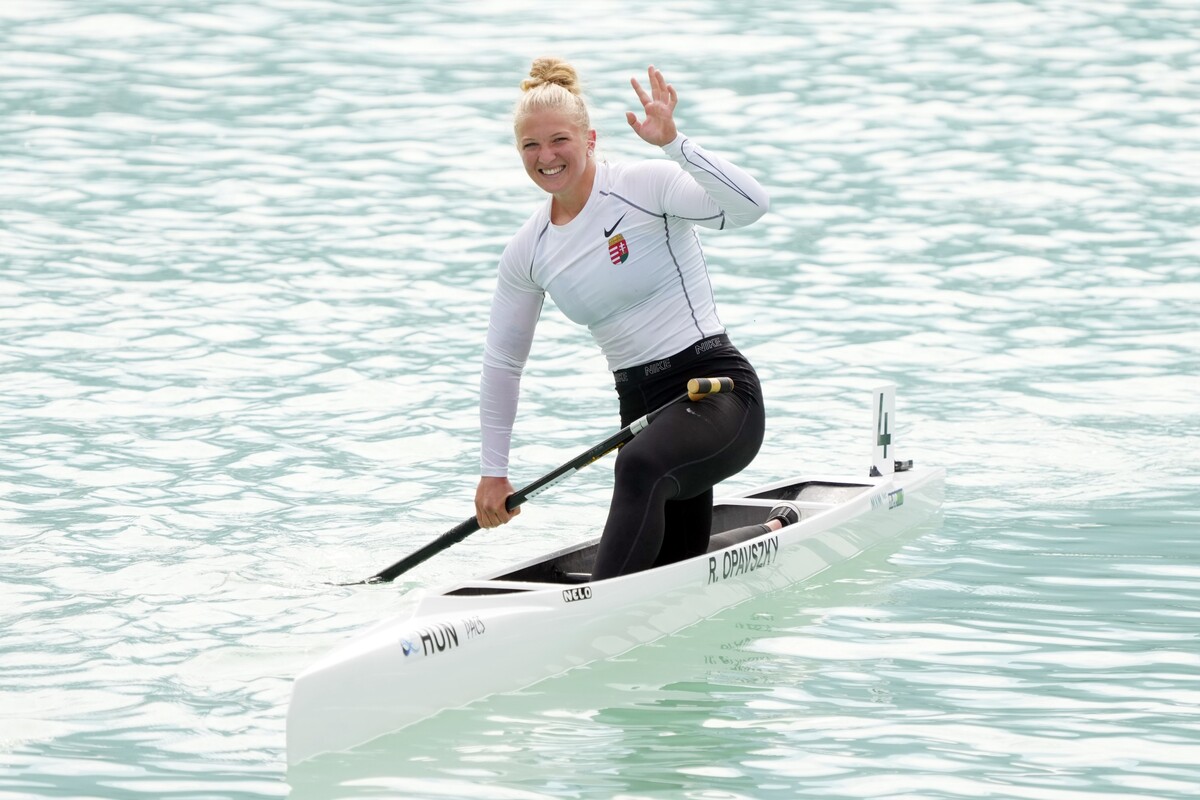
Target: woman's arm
x=712, y=191
x=515, y=311
x=510, y=337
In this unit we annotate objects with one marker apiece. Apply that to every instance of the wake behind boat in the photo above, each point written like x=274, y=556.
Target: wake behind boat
x=513, y=628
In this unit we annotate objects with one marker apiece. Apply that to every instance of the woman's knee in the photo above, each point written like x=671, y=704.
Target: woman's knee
x=639, y=463
x=642, y=471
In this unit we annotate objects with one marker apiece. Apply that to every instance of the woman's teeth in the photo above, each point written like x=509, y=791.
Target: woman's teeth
x=552, y=170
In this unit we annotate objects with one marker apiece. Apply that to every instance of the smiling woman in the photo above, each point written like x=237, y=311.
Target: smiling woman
x=559, y=160
x=555, y=137
x=615, y=247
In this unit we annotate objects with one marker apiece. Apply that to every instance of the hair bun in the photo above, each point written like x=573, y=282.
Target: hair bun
x=552, y=71
x=552, y=85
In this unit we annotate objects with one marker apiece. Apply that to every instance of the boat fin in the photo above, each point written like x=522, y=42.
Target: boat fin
x=883, y=424
x=883, y=437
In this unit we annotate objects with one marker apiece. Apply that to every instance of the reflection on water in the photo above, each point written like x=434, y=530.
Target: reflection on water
x=245, y=261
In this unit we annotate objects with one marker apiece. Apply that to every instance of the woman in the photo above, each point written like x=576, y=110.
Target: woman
x=615, y=247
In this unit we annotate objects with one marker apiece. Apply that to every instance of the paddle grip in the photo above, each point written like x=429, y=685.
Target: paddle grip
x=699, y=388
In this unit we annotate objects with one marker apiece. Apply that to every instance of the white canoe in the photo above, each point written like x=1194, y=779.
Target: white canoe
x=526, y=623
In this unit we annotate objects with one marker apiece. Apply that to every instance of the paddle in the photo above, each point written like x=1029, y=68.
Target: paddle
x=698, y=389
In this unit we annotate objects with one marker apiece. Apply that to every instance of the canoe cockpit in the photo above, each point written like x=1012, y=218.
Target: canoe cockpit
x=735, y=520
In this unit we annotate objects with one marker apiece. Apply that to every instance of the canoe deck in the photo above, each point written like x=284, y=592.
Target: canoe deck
x=733, y=521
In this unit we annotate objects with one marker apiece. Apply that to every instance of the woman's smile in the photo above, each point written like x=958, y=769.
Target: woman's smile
x=557, y=156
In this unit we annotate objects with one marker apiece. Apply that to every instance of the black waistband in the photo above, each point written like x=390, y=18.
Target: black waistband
x=631, y=376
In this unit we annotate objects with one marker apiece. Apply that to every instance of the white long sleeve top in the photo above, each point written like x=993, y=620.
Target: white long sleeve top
x=629, y=266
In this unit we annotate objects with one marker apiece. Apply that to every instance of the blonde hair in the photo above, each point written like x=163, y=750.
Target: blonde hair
x=552, y=85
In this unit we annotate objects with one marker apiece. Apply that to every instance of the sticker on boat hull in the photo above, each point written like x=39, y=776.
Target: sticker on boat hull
x=473, y=626
x=741, y=560
x=894, y=499
x=577, y=593
x=430, y=640
x=439, y=638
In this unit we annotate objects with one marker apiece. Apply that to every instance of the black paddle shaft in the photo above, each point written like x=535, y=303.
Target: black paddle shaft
x=698, y=388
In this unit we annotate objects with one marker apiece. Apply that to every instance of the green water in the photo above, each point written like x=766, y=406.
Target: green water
x=246, y=254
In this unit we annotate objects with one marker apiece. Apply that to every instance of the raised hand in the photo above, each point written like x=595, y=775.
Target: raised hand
x=659, y=126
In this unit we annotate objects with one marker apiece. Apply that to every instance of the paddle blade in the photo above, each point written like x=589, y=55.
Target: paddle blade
x=699, y=388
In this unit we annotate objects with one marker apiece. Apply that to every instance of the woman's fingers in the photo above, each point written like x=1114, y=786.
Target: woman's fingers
x=490, y=498
x=663, y=91
x=658, y=127
x=658, y=82
x=641, y=93
x=660, y=90
x=498, y=517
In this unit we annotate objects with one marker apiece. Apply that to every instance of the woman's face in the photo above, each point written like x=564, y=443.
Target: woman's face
x=555, y=151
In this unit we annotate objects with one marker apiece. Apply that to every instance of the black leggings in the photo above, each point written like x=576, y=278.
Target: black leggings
x=661, y=508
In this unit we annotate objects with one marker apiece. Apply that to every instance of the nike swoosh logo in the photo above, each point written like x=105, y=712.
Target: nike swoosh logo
x=609, y=232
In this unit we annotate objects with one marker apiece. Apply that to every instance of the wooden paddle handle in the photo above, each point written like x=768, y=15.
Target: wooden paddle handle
x=699, y=388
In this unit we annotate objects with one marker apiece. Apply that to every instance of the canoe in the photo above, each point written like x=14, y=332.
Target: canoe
x=514, y=627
